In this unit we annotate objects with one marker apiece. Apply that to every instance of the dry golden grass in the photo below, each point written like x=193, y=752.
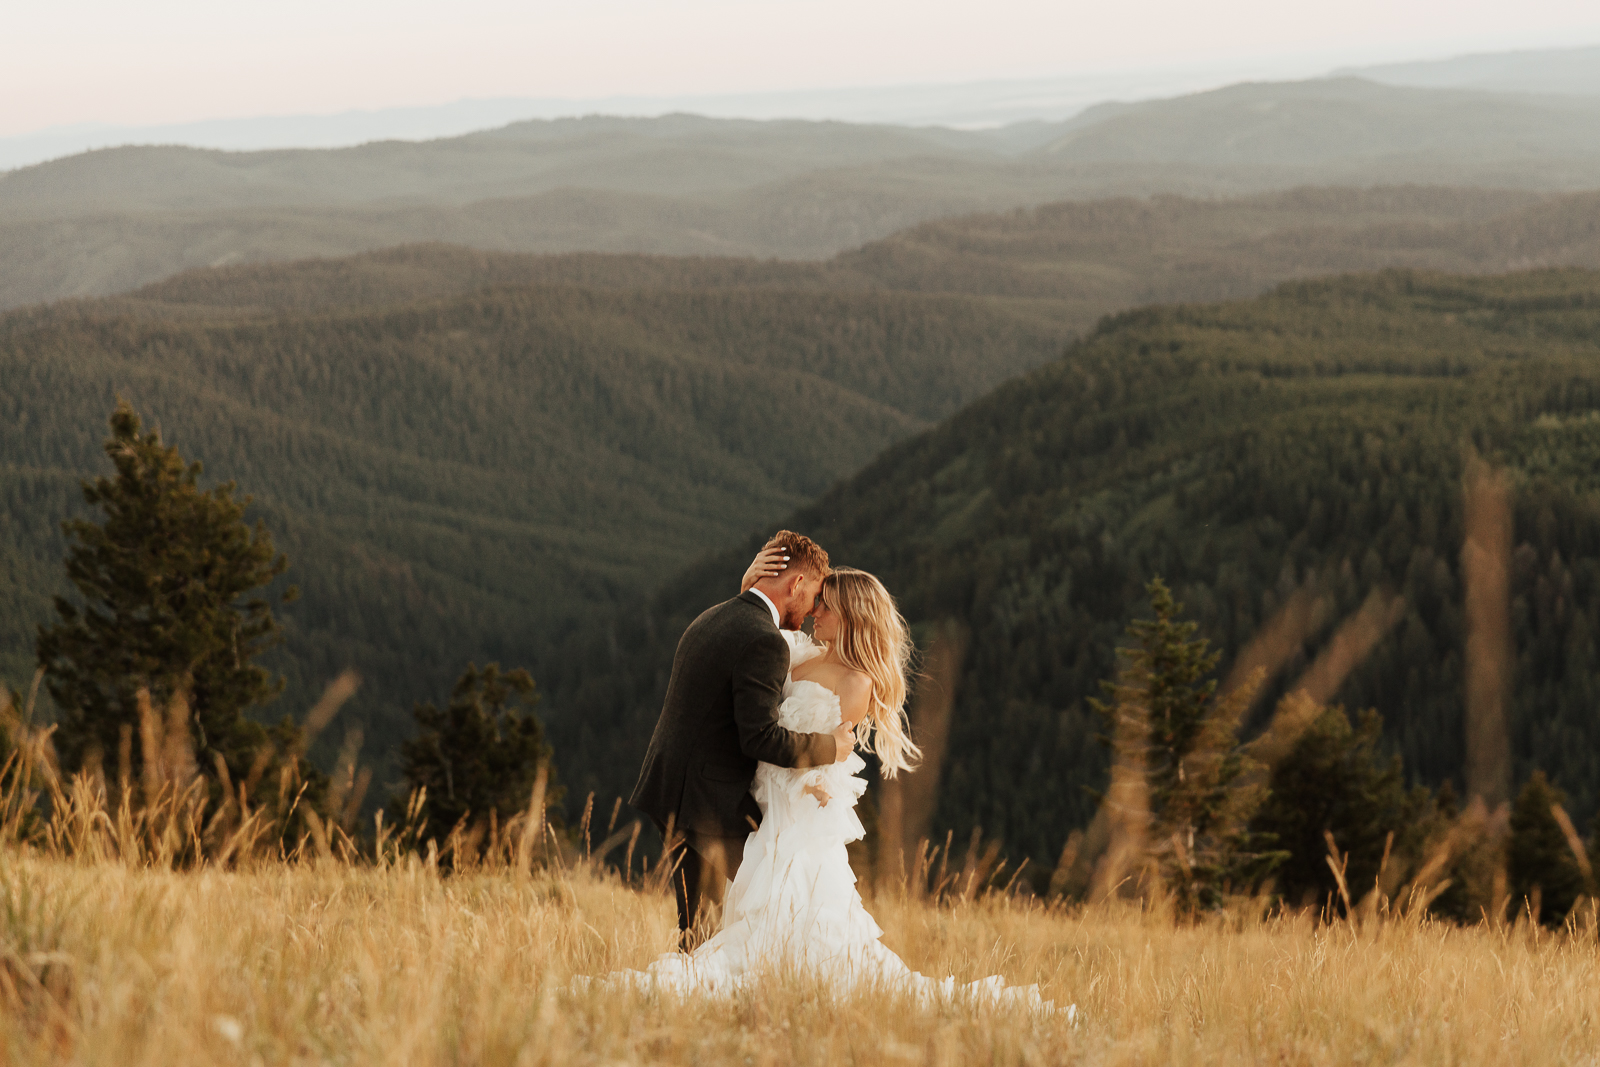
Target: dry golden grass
x=329, y=963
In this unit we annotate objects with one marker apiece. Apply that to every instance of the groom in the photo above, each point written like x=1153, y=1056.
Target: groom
x=721, y=717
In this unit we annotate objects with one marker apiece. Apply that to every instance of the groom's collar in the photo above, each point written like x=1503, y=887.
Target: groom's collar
x=777, y=620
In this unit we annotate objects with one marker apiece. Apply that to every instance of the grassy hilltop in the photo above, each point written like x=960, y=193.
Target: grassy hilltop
x=396, y=964
x=124, y=946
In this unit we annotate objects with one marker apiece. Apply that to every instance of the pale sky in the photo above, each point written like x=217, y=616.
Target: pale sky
x=167, y=61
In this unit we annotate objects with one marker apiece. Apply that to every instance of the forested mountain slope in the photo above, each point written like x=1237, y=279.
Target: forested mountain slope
x=468, y=478
x=1090, y=257
x=106, y=221
x=467, y=453
x=1129, y=251
x=1311, y=438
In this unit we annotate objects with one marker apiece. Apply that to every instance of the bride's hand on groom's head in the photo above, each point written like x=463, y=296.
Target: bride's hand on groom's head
x=768, y=561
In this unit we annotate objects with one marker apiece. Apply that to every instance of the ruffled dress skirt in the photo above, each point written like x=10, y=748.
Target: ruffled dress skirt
x=793, y=905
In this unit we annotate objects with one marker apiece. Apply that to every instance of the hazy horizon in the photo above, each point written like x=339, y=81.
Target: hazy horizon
x=972, y=104
x=178, y=63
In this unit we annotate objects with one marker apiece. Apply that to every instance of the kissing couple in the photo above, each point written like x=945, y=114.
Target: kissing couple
x=751, y=776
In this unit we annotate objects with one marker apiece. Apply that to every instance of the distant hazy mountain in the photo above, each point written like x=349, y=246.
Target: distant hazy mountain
x=669, y=156
x=1574, y=71
x=108, y=221
x=989, y=104
x=1349, y=126
x=971, y=105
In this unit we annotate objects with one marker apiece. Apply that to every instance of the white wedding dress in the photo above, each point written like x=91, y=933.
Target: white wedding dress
x=793, y=903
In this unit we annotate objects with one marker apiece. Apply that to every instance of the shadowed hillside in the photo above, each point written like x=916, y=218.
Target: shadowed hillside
x=1309, y=442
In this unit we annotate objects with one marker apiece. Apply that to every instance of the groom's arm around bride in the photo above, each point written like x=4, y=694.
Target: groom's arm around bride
x=720, y=718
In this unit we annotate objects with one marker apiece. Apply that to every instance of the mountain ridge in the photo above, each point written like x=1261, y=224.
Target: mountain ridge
x=114, y=220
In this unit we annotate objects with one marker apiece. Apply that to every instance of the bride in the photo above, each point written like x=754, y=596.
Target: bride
x=793, y=903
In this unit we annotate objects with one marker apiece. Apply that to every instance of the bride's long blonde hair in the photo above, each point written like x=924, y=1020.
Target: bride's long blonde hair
x=874, y=639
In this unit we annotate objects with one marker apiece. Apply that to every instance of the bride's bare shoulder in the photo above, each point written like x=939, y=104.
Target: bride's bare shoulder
x=855, y=691
x=854, y=682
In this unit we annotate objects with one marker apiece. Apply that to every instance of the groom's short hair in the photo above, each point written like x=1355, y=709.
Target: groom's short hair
x=803, y=553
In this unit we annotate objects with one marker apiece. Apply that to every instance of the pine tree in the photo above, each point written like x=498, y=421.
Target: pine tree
x=164, y=584
x=1335, y=780
x=480, y=754
x=1167, y=721
x=1541, y=863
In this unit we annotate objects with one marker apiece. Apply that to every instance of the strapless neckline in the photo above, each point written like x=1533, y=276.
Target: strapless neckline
x=798, y=682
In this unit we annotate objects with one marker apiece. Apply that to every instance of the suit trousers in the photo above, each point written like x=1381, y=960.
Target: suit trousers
x=704, y=865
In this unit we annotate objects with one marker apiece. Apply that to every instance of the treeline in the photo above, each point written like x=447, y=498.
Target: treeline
x=1310, y=811
x=1308, y=446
